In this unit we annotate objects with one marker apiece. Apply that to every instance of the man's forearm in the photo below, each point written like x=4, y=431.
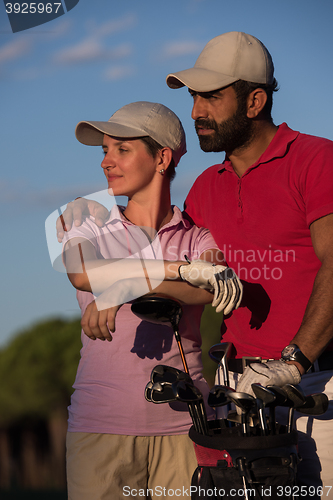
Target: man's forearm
x=316, y=330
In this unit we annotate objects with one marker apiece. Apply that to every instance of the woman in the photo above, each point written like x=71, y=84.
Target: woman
x=119, y=444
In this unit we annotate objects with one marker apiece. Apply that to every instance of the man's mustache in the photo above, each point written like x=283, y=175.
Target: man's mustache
x=205, y=123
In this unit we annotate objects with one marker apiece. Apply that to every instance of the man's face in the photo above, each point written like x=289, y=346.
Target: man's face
x=221, y=120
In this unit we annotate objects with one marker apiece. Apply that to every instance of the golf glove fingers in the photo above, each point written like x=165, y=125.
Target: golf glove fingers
x=200, y=273
x=228, y=291
x=270, y=373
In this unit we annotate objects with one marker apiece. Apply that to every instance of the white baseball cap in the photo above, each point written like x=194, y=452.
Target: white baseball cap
x=135, y=120
x=224, y=60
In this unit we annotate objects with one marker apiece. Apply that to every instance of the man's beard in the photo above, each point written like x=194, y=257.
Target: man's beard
x=234, y=133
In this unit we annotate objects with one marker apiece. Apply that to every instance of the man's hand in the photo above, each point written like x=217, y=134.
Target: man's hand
x=270, y=373
x=75, y=212
x=99, y=324
x=228, y=290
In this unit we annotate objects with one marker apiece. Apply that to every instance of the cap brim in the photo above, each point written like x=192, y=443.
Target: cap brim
x=91, y=133
x=199, y=79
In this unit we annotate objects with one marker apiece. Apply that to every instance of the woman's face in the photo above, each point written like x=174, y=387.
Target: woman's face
x=127, y=165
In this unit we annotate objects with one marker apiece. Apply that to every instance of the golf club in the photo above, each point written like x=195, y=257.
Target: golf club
x=168, y=374
x=218, y=395
x=220, y=354
x=242, y=470
x=161, y=310
x=315, y=404
x=148, y=389
x=264, y=397
x=183, y=391
x=280, y=399
x=296, y=399
x=252, y=418
x=245, y=402
x=160, y=392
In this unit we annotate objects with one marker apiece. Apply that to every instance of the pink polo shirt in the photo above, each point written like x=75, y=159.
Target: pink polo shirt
x=261, y=223
x=111, y=376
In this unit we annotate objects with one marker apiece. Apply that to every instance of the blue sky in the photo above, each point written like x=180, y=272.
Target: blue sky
x=91, y=61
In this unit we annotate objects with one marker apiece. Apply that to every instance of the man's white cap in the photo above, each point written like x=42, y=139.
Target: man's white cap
x=224, y=60
x=135, y=120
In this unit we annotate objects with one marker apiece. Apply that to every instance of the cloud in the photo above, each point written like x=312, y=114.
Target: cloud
x=91, y=50
x=181, y=48
x=94, y=47
x=21, y=197
x=115, y=26
x=16, y=49
x=23, y=45
x=62, y=27
x=119, y=72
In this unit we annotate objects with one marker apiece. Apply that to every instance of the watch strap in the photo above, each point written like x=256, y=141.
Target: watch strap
x=299, y=357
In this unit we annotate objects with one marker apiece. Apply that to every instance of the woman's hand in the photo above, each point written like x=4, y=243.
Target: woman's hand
x=99, y=324
x=98, y=321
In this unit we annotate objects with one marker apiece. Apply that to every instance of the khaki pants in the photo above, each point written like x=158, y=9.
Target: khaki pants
x=112, y=467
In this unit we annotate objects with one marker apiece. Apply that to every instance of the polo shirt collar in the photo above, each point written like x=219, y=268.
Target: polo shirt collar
x=116, y=215
x=276, y=149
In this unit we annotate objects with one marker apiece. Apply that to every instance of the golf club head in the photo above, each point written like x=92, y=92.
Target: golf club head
x=246, y=403
x=158, y=309
x=235, y=417
x=183, y=391
x=315, y=404
x=243, y=400
x=164, y=373
x=295, y=395
x=148, y=389
x=218, y=351
x=280, y=395
x=218, y=395
x=263, y=393
x=161, y=392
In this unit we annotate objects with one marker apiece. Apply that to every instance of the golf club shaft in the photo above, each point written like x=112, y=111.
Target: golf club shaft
x=194, y=417
x=223, y=365
x=241, y=471
x=181, y=350
x=262, y=417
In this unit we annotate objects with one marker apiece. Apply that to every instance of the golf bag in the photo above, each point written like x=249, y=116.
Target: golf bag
x=255, y=466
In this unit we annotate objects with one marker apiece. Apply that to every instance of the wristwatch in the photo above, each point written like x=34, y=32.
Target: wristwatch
x=293, y=353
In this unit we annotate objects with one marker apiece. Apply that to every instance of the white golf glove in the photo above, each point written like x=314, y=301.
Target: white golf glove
x=270, y=373
x=228, y=290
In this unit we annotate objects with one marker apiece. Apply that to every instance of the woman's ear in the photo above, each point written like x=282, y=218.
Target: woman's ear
x=164, y=159
x=256, y=102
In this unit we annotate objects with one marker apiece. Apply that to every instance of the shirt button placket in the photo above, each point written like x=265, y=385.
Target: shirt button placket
x=240, y=217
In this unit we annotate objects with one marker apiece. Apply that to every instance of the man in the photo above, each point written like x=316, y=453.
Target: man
x=269, y=207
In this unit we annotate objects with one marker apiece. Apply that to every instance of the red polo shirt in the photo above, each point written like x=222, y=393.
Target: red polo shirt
x=261, y=223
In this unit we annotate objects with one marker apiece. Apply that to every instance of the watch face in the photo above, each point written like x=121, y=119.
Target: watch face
x=288, y=351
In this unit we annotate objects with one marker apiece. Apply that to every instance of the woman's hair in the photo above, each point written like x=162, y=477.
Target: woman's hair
x=153, y=148
x=243, y=89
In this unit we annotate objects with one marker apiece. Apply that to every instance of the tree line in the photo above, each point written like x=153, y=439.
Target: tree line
x=37, y=371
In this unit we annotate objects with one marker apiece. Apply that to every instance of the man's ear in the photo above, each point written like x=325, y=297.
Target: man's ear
x=256, y=102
